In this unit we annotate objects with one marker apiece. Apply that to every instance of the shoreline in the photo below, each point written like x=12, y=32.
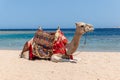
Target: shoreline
x=75, y=52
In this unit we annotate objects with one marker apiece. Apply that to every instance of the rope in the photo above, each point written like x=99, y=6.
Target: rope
x=85, y=41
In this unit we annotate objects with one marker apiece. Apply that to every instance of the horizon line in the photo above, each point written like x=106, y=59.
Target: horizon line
x=48, y=28
x=28, y=29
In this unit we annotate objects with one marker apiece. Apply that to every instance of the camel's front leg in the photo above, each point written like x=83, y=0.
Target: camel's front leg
x=58, y=58
x=25, y=48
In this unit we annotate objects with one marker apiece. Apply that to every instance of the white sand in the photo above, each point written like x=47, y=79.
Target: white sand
x=92, y=66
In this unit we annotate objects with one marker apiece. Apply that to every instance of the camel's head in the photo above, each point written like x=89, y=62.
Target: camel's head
x=83, y=27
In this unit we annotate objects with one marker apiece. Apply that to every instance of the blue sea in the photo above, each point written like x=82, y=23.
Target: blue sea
x=101, y=39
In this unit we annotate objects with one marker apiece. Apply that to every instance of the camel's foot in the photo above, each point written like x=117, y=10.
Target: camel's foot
x=56, y=58
x=73, y=60
x=24, y=55
x=21, y=55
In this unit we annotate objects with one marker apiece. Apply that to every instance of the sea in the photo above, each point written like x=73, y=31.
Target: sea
x=100, y=40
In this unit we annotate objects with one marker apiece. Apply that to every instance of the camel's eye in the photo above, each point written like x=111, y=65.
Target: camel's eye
x=82, y=25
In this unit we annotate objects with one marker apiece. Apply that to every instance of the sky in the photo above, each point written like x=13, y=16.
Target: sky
x=18, y=14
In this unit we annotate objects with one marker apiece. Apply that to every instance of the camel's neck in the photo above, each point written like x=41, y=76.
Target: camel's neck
x=74, y=43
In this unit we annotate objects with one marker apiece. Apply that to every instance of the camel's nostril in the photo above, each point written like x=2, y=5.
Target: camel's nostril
x=90, y=27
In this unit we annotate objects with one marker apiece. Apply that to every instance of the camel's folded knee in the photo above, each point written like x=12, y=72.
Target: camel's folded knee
x=56, y=58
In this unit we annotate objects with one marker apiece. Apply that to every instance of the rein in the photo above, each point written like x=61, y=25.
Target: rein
x=85, y=41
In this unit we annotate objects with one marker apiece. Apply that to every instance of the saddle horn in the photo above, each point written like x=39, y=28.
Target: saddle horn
x=40, y=28
x=58, y=27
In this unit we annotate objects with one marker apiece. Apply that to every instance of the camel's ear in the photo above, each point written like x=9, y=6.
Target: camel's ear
x=76, y=24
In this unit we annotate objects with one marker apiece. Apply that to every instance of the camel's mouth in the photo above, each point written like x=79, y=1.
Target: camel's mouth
x=89, y=29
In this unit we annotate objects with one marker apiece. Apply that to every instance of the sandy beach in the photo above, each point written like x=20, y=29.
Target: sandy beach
x=92, y=66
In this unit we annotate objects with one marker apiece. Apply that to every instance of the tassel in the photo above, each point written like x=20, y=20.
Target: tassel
x=71, y=57
x=31, y=56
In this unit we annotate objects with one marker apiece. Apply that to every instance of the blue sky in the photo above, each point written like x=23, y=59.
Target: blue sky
x=51, y=13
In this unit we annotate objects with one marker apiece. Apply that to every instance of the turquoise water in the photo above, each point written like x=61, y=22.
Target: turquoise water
x=99, y=40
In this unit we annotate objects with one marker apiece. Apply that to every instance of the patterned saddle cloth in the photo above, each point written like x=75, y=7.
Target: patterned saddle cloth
x=43, y=44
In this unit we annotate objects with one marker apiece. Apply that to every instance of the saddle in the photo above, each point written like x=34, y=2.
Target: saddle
x=43, y=44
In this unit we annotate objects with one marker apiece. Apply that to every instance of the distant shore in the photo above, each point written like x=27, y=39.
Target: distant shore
x=92, y=66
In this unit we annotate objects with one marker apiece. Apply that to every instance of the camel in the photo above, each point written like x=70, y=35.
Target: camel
x=81, y=28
